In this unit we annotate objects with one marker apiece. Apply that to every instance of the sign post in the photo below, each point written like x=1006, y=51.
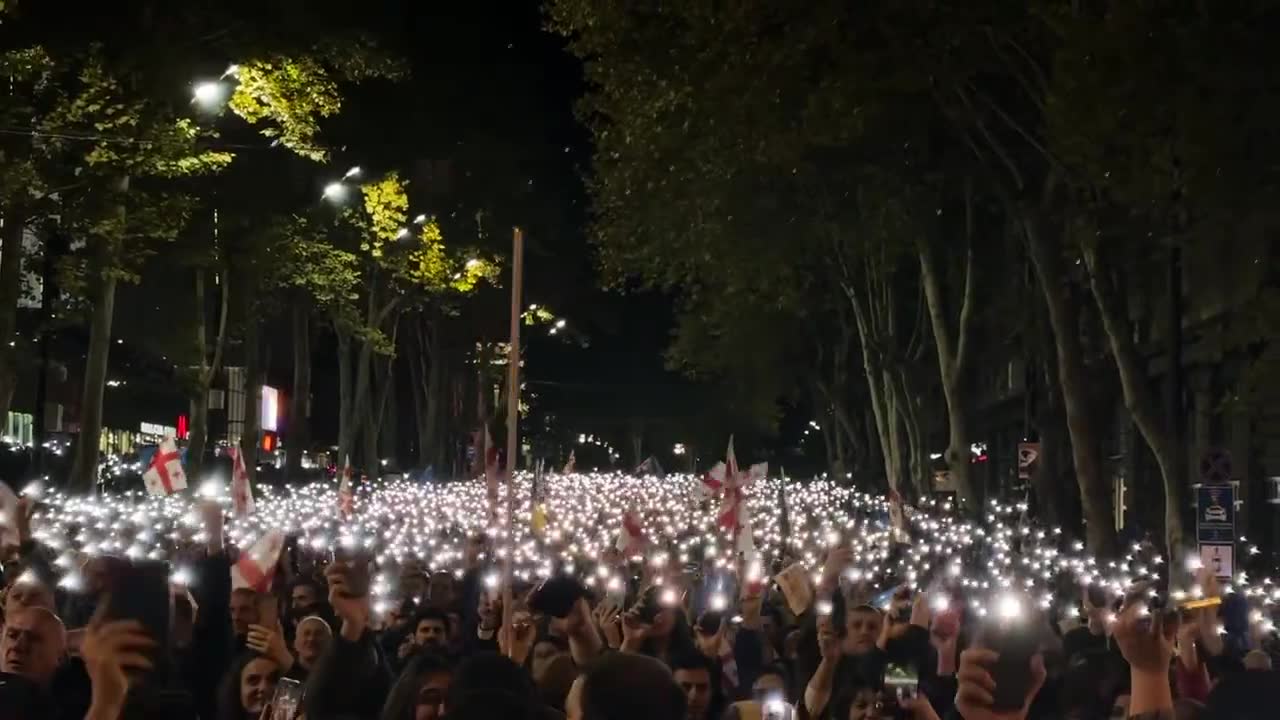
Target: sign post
x=1216, y=513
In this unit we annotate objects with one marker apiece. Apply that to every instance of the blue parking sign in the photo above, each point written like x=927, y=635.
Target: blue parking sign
x=1216, y=513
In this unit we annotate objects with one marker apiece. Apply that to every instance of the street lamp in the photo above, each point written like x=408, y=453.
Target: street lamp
x=678, y=449
x=335, y=191
x=208, y=94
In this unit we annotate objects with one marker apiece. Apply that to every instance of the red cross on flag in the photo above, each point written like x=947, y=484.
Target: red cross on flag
x=631, y=539
x=241, y=492
x=256, y=567
x=346, y=493
x=165, y=476
x=726, y=480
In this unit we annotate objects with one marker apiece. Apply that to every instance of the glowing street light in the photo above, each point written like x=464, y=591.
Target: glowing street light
x=560, y=324
x=208, y=94
x=335, y=191
x=352, y=173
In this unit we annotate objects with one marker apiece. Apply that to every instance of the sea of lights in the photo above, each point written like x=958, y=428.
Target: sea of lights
x=397, y=523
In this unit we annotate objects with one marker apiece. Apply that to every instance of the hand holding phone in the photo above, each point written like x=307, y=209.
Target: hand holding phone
x=139, y=591
x=287, y=700
x=974, y=699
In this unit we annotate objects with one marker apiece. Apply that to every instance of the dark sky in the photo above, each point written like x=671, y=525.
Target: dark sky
x=494, y=93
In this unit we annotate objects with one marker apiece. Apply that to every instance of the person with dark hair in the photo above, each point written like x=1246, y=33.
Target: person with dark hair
x=431, y=630
x=247, y=687
x=698, y=679
x=420, y=691
x=625, y=686
x=489, y=685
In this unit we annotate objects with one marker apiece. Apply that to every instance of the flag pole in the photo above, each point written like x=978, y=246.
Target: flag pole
x=513, y=418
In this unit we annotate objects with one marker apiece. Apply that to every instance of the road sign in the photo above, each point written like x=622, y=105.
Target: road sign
x=1216, y=513
x=1215, y=466
x=1218, y=559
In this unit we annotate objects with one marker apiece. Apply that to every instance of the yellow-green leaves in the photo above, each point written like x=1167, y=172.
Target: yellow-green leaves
x=386, y=202
x=292, y=94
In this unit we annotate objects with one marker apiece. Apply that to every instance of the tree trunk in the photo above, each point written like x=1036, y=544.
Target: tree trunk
x=10, y=290
x=346, y=413
x=952, y=351
x=198, y=402
x=84, y=469
x=1086, y=443
x=1138, y=397
x=198, y=436
x=296, y=433
x=252, y=414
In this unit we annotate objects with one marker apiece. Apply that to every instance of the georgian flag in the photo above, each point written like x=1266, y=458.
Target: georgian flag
x=165, y=476
x=725, y=479
x=241, y=492
x=631, y=538
x=8, y=516
x=257, y=567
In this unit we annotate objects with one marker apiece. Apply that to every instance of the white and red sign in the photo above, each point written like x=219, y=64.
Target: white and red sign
x=165, y=476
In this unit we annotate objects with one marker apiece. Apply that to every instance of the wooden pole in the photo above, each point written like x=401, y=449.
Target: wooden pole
x=513, y=420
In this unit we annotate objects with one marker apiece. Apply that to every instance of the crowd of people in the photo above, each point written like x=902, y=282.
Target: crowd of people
x=698, y=640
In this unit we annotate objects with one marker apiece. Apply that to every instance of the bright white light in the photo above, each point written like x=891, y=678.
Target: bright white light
x=719, y=602
x=423, y=218
x=233, y=70
x=181, y=576
x=210, y=489
x=1009, y=607
x=940, y=602
x=491, y=580
x=668, y=597
x=335, y=192
x=472, y=264
x=823, y=607
x=208, y=94
x=560, y=324
x=353, y=173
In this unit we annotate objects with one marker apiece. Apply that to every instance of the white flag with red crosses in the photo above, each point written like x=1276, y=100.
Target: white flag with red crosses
x=241, y=492
x=165, y=476
x=257, y=566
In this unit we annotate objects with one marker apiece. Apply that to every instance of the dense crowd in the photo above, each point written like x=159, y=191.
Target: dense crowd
x=395, y=611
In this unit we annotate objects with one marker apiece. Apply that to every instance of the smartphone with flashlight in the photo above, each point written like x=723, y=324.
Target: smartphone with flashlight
x=287, y=700
x=901, y=682
x=556, y=596
x=1014, y=643
x=776, y=708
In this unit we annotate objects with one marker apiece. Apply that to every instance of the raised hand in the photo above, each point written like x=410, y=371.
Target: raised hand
x=351, y=607
x=609, y=619
x=1144, y=639
x=270, y=643
x=829, y=641
x=111, y=651
x=634, y=631
x=517, y=641
x=974, y=696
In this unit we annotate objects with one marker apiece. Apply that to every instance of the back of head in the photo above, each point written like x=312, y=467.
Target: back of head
x=1244, y=695
x=490, y=677
x=625, y=686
